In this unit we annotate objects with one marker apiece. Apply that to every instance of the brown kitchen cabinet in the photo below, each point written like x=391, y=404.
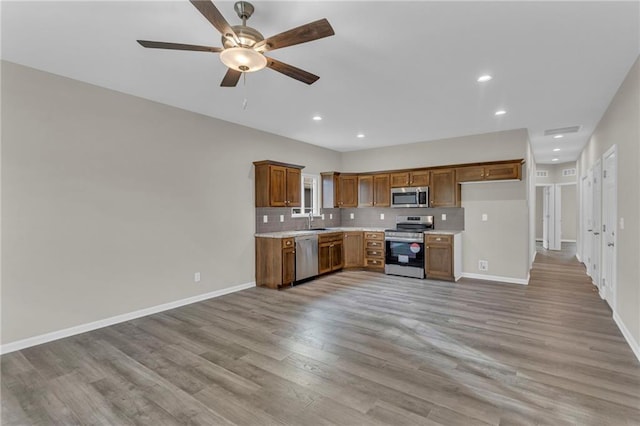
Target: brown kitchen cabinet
x=443, y=257
x=275, y=262
x=444, y=191
x=339, y=190
x=497, y=171
x=330, y=252
x=277, y=184
x=374, y=190
x=374, y=250
x=410, y=178
x=353, y=249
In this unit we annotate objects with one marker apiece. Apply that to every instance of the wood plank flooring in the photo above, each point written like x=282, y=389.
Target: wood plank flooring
x=352, y=348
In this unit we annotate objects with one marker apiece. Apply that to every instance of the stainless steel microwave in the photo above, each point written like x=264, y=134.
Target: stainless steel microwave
x=410, y=197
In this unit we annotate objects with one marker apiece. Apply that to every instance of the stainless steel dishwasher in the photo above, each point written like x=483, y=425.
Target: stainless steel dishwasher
x=306, y=256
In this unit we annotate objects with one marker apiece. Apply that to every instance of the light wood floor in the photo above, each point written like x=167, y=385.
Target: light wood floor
x=353, y=348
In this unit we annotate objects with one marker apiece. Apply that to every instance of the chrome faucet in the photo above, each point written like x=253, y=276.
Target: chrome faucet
x=309, y=219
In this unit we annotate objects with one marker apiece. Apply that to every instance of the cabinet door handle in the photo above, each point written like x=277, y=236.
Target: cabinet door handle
x=610, y=244
x=488, y=173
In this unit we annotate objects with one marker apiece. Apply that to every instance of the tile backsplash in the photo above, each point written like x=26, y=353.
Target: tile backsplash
x=371, y=217
x=292, y=223
x=363, y=217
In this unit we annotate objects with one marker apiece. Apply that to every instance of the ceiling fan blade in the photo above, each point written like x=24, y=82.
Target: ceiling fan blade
x=291, y=71
x=213, y=15
x=231, y=78
x=178, y=46
x=302, y=34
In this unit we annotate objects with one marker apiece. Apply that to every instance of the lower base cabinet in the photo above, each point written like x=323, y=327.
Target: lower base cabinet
x=443, y=256
x=353, y=249
x=275, y=262
x=374, y=251
x=330, y=252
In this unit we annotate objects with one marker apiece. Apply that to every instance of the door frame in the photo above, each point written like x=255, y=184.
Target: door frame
x=613, y=203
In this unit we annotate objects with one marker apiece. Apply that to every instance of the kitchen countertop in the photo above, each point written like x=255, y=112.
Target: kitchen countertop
x=289, y=234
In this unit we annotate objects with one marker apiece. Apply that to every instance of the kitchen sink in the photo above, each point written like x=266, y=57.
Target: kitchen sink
x=318, y=229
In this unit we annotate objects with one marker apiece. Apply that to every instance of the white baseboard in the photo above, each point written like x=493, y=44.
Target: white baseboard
x=83, y=328
x=578, y=257
x=567, y=241
x=629, y=338
x=508, y=280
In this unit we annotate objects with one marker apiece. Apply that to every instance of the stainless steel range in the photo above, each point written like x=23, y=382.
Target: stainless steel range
x=404, y=253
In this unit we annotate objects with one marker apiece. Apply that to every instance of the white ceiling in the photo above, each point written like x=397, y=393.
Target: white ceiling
x=398, y=72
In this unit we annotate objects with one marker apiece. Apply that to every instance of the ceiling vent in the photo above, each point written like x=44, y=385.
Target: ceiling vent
x=568, y=172
x=542, y=173
x=561, y=130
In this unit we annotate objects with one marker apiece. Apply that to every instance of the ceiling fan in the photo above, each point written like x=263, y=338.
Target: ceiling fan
x=244, y=47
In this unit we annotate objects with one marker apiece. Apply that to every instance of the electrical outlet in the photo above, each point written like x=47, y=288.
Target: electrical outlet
x=483, y=265
x=485, y=217
x=196, y=277
x=322, y=215
x=330, y=216
x=265, y=219
x=352, y=215
x=281, y=218
x=444, y=216
x=381, y=216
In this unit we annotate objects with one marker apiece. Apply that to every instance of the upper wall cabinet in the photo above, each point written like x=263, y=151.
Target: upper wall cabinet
x=339, y=190
x=497, y=171
x=410, y=178
x=373, y=191
x=444, y=191
x=277, y=184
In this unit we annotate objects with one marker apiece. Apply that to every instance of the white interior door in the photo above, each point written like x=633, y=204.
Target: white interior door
x=609, y=228
x=587, y=207
x=555, y=243
x=596, y=217
x=545, y=217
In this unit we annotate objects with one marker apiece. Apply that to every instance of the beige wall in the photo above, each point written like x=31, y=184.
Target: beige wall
x=111, y=203
x=555, y=173
x=620, y=125
x=505, y=203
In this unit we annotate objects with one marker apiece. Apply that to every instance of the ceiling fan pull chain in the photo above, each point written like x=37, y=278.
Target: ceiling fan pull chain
x=244, y=89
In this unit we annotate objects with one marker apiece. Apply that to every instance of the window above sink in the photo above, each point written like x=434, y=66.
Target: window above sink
x=310, y=199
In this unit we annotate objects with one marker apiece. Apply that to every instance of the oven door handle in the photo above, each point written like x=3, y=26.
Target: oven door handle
x=403, y=240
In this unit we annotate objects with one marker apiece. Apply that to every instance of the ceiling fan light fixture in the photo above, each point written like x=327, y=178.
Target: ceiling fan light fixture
x=243, y=59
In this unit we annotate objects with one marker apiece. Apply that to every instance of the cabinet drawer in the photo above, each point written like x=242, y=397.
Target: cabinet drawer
x=374, y=244
x=287, y=242
x=374, y=253
x=374, y=263
x=326, y=238
x=374, y=236
x=439, y=239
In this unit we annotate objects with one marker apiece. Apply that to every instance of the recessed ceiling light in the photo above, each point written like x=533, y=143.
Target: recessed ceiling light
x=555, y=159
x=558, y=136
x=317, y=118
x=484, y=78
x=556, y=150
x=360, y=135
x=501, y=112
